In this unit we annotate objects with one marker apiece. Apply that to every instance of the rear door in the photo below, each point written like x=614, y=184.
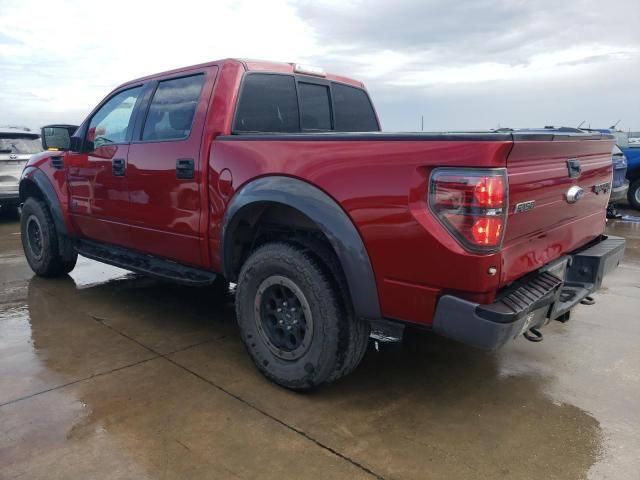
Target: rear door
x=559, y=187
x=97, y=179
x=166, y=168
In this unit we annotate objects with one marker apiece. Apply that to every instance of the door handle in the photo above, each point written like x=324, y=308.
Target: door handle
x=118, y=167
x=185, y=168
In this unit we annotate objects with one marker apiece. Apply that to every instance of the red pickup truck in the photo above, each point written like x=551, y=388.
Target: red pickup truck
x=276, y=177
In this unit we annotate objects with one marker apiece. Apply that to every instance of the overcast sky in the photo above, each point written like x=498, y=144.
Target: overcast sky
x=465, y=64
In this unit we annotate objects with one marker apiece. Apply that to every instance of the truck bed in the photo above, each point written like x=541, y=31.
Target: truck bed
x=381, y=181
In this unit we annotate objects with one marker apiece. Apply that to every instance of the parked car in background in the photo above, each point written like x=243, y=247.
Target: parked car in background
x=632, y=153
x=17, y=144
x=620, y=185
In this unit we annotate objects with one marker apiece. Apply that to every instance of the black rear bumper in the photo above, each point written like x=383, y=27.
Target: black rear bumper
x=532, y=302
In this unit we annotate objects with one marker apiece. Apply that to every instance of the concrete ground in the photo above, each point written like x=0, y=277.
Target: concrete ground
x=109, y=375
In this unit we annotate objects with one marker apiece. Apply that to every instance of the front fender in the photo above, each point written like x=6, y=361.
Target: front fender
x=330, y=218
x=34, y=176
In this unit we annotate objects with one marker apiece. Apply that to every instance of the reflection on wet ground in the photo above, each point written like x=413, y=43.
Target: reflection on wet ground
x=106, y=374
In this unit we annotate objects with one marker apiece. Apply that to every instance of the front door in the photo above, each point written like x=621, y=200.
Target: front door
x=97, y=179
x=165, y=169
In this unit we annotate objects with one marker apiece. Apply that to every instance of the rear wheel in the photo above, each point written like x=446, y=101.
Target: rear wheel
x=41, y=242
x=633, y=195
x=293, y=321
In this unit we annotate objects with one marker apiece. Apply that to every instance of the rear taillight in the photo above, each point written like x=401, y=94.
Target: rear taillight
x=472, y=205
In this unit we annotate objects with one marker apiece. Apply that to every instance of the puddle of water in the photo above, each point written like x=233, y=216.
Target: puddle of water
x=89, y=273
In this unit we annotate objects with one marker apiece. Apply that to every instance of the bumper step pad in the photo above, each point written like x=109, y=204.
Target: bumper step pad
x=530, y=303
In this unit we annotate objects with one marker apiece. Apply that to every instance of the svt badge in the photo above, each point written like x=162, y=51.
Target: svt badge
x=602, y=188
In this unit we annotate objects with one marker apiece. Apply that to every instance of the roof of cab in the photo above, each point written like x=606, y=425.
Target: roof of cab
x=249, y=65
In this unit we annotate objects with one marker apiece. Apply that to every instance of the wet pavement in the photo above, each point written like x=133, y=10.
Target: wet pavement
x=106, y=374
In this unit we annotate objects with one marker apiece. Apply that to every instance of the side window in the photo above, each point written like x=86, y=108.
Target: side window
x=268, y=103
x=315, y=109
x=111, y=122
x=172, y=109
x=353, y=110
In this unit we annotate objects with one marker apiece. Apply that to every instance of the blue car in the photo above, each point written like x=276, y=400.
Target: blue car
x=632, y=152
x=620, y=185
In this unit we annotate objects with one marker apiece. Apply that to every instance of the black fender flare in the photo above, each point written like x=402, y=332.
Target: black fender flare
x=330, y=218
x=39, y=178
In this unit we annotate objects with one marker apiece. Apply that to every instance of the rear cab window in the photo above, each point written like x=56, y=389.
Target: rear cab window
x=315, y=106
x=282, y=103
x=353, y=109
x=268, y=103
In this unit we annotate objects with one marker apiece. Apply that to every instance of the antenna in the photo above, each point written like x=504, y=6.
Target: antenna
x=613, y=127
x=581, y=123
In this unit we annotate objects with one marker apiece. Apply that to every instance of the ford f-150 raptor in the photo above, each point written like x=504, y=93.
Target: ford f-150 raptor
x=277, y=177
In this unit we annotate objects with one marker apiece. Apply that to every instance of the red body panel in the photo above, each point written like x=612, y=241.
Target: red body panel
x=99, y=201
x=538, y=171
x=381, y=184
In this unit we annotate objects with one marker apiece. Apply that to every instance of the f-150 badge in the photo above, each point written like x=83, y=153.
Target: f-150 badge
x=524, y=206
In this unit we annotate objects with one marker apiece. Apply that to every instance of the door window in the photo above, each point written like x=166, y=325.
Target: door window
x=172, y=109
x=111, y=123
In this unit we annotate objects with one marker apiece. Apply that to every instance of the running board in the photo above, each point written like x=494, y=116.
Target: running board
x=145, y=264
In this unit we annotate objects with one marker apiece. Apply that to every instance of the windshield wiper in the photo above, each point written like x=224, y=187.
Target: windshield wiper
x=5, y=150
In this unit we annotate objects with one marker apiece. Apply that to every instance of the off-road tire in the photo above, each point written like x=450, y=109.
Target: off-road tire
x=338, y=341
x=632, y=194
x=358, y=340
x=52, y=258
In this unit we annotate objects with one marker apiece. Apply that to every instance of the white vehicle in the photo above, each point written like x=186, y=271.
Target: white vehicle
x=17, y=144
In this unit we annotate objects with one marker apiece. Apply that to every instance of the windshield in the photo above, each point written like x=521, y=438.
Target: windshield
x=20, y=145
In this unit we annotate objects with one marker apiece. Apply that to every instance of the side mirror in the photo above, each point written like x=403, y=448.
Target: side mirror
x=57, y=137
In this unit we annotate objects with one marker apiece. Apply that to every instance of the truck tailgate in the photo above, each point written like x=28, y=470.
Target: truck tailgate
x=542, y=224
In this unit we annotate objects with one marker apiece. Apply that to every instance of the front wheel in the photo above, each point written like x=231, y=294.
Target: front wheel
x=633, y=195
x=293, y=321
x=41, y=243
